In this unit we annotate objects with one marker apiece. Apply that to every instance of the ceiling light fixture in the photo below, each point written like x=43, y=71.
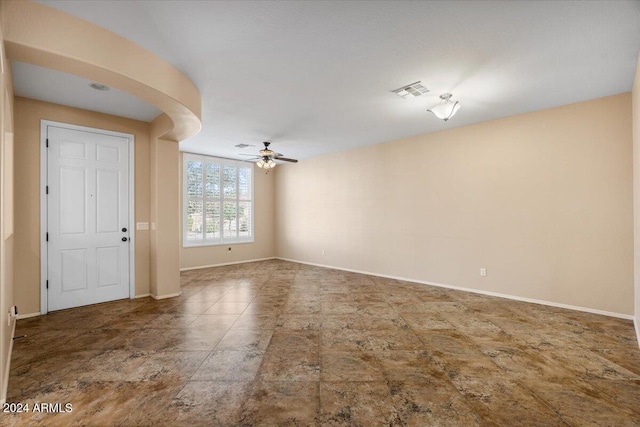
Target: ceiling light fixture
x=266, y=163
x=99, y=86
x=446, y=109
x=413, y=90
x=267, y=157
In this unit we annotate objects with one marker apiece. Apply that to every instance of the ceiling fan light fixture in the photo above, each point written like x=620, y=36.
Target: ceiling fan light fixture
x=266, y=163
x=267, y=158
x=446, y=109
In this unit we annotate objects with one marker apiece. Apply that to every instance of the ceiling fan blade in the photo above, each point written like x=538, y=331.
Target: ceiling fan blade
x=285, y=159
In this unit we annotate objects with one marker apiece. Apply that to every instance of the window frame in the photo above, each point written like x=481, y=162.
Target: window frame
x=221, y=162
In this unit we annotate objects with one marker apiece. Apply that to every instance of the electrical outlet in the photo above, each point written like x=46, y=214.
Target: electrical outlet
x=323, y=252
x=483, y=271
x=13, y=313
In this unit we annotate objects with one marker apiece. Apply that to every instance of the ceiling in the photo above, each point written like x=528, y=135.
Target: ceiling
x=315, y=77
x=44, y=84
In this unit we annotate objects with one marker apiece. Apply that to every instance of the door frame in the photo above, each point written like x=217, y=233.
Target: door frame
x=44, y=262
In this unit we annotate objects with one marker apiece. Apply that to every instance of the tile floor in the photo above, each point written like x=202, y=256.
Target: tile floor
x=282, y=344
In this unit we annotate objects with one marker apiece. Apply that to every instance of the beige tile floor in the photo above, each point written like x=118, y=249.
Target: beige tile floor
x=283, y=344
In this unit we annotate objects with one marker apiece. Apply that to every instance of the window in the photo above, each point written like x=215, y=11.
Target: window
x=217, y=201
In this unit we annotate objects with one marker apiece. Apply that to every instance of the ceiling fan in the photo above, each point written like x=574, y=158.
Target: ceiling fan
x=266, y=158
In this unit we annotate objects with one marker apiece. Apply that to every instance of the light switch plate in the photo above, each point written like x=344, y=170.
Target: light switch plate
x=142, y=226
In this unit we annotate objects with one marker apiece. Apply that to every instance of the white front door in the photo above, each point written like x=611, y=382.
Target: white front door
x=87, y=217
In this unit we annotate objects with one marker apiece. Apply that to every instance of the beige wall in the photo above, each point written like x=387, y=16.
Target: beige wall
x=636, y=192
x=165, y=212
x=6, y=216
x=28, y=114
x=542, y=200
x=264, y=240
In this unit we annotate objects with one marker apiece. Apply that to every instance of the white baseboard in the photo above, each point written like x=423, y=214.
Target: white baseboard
x=7, y=369
x=475, y=291
x=142, y=296
x=637, y=326
x=200, y=267
x=28, y=315
x=157, y=297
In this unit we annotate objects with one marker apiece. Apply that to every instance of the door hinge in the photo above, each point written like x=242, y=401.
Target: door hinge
x=47, y=189
x=47, y=143
x=47, y=284
x=47, y=236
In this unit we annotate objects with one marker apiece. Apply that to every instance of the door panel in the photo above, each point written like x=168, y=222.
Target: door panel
x=108, y=266
x=72, y=150
x=108, y=154
x=73, y=270
x=73, y=189
x=107, y=201
x=88, y=206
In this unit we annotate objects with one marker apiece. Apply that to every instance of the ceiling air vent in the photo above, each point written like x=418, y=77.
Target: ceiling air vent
x=243, y=145
x=413, y=90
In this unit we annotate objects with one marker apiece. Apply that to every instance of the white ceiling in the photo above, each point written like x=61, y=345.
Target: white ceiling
x=49, y=85
x=315, y=76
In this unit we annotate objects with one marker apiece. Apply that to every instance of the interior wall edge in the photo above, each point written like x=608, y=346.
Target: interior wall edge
x=475, y=291
x=635, y=125
x=8, y=189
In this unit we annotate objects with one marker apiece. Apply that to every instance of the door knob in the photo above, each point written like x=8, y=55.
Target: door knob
x=124, y=239
x=124, y=229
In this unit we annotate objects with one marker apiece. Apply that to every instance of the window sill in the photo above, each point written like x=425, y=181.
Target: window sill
x=188, y=245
